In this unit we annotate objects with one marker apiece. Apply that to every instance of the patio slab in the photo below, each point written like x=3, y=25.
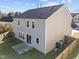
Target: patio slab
x=22, y=48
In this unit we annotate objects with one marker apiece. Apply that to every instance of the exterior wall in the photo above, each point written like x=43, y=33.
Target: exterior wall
x=38, y=32
x=57, y=25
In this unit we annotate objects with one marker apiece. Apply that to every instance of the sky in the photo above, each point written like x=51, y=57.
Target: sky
x=23, y=5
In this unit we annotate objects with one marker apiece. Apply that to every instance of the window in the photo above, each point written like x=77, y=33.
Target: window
x=37, y=40
x=29, y=39
x=27, y=23
x=18, y=22
x=19, y=34
x=33, y=24
x=23, y=37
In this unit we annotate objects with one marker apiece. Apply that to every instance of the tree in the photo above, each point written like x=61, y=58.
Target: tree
x=12, y=14
x=9, y=14
x=17, y=13
x=0, y=13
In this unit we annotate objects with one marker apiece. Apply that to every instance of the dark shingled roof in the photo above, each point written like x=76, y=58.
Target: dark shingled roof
x=40, y=13
x=6, y=19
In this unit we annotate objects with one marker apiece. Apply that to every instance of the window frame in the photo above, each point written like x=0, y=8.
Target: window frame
x=19, y=35
x=28, y=38
x=33, y=24
x=18, y=22
x=22, y=35
x=37, y=41
x=27, y=24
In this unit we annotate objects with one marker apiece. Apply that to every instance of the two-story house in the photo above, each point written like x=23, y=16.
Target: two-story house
x=42, y=27
x=75, y=20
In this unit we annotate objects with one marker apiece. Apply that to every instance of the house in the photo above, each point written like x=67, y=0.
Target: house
x=75, y=20
x=42, y=27
x=6, y=20
x=75, y=17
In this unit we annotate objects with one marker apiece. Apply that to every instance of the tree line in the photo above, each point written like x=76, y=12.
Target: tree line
x=13, y=14
x=10, y=14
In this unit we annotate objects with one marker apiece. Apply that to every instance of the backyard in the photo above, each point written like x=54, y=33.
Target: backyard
x=6, y=52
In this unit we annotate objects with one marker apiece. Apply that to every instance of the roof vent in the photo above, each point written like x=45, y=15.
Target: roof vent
x=39, y=6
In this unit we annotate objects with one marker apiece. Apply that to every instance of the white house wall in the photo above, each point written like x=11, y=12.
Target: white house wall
x=57, y=25
x=38, y=32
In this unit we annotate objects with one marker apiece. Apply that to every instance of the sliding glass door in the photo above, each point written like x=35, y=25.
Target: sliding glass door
x=28, y=39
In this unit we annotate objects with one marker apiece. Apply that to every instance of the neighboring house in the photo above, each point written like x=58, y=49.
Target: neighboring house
x=42, y=27
x=6, y=20
x=75, y=20
x=75, y=17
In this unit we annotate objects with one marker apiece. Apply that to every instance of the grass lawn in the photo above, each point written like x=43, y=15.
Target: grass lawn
x=75, y=53
x=6, y=52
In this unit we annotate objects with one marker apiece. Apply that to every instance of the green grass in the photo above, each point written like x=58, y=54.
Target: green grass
x=75, y=53
x=6, y=52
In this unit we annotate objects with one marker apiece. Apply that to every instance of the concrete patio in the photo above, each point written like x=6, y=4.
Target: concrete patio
x=22, y=48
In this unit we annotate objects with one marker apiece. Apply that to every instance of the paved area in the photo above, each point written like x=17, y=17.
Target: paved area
x=75, y=33
x=77, y=57
x=77, y=28
x=22, y=48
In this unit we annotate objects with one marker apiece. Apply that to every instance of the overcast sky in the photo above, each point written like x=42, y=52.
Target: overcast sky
x=23, y=5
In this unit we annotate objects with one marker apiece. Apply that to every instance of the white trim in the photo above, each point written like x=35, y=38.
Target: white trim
x=34, y=25
x=39, y=40
x=26, y=39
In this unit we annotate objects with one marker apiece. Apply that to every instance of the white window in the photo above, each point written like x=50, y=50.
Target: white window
x=18, y=22
x=33, y=24
x=19, y=34
x=29, y=39
x=37, y=40
x=23, y=37
x=27, y=23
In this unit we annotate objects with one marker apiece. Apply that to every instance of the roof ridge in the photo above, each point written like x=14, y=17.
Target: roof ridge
x=45, y=7
x=44, y=11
